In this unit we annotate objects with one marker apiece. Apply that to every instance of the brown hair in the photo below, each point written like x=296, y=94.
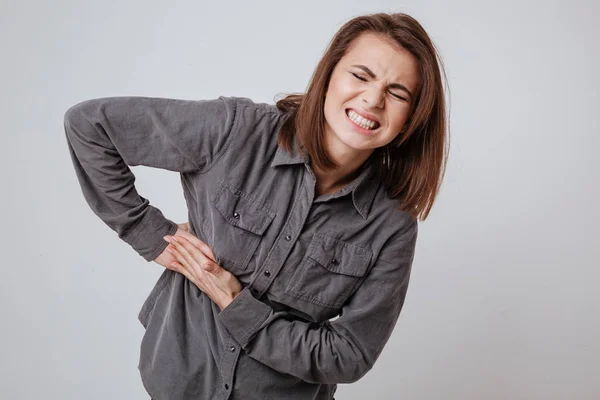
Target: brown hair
x=412, y=166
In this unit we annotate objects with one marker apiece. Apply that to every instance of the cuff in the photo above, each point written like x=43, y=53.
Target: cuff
x=146, y=237
x=244, y=316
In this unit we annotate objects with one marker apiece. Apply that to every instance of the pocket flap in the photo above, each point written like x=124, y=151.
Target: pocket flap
x=339, y=256
x=241, y=211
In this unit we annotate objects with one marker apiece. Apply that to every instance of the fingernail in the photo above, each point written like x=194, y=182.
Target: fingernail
x=167, y=238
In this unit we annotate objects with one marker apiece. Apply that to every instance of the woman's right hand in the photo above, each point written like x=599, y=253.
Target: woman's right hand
x=166, y=259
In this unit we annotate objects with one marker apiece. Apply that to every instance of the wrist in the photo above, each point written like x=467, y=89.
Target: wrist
x=227, y=300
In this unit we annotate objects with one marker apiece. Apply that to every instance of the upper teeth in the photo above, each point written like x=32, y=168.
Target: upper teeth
x=363, y=122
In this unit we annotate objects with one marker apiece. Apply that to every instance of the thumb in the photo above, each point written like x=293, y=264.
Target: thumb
x=212, y=267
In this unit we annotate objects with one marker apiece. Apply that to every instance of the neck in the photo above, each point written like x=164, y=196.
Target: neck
x=349, y=161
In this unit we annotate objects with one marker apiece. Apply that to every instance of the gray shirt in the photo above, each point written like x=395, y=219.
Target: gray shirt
x=324, y=277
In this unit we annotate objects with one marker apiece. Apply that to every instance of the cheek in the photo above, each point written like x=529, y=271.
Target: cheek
x=341, y=89
x=330, y=110
x=397, y=118
x=327, y=106
x=334, y=99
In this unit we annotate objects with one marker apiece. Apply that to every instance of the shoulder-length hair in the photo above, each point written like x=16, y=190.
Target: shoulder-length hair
x=413, y=165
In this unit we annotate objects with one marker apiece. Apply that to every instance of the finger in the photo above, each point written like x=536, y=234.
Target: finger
x=226, y=283
x=199, y=244
x=177, y=267
x=196, y=252
x=201, y=260
x=190, y=255
x=181, y=260
x=213, y=268
x=183, y=267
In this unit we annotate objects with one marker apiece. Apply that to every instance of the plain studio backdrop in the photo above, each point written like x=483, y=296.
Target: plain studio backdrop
x=502, y=302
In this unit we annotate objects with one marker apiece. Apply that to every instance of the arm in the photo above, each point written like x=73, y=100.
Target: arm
x=107, y=135
x=341, y=351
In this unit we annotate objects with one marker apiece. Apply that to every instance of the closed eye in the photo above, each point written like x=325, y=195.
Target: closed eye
x=364, y=80
x=398, y=97
x=358, y=77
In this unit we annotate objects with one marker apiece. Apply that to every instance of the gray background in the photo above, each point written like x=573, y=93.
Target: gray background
x=502, y=299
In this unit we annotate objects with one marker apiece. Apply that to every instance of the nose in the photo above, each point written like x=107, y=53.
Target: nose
x=373, y=97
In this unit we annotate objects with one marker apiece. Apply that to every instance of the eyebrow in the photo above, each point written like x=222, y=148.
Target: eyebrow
x=392, y=85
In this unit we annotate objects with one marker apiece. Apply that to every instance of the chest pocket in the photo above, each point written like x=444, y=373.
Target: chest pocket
x=238, y=225
x=330, y=272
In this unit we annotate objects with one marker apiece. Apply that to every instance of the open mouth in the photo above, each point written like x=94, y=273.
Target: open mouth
x=361, y=122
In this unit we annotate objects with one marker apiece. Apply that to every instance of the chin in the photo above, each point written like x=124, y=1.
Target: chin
x=344, y=134
x=353, y=141
x=355, y=144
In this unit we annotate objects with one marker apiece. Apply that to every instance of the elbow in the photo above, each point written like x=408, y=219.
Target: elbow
x=350, y=370
x=74, y=116
x=72, y=119
x=77, y=122
x=346, y=361
x=355, y=373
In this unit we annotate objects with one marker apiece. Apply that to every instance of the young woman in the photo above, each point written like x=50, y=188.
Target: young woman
x=302, y=216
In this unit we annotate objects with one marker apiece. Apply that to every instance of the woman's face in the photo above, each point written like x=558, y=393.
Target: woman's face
x=369, y=96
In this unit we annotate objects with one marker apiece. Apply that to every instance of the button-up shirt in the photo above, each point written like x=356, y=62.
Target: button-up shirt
x=324, y=277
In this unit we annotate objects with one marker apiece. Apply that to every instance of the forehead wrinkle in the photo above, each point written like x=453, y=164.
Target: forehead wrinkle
x=377, y=67
x=394, y=83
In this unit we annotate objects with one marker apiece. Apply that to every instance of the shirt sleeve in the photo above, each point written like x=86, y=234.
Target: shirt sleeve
x=106, y=136
x=340, y=351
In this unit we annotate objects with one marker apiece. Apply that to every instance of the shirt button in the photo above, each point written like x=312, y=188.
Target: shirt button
x=335, y=261
x=288, y=238
x=267, y=273
x=232, y=348
x=236, y=215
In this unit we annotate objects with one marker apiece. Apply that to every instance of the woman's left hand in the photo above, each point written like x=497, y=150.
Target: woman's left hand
x=218, y=284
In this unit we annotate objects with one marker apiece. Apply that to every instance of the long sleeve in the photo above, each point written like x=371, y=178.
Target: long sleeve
x=106, y=136
x=338, y=351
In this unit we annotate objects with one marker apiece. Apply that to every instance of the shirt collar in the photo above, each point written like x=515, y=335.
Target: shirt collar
x=297, y=156
x=366, y=188
x=363, y=187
